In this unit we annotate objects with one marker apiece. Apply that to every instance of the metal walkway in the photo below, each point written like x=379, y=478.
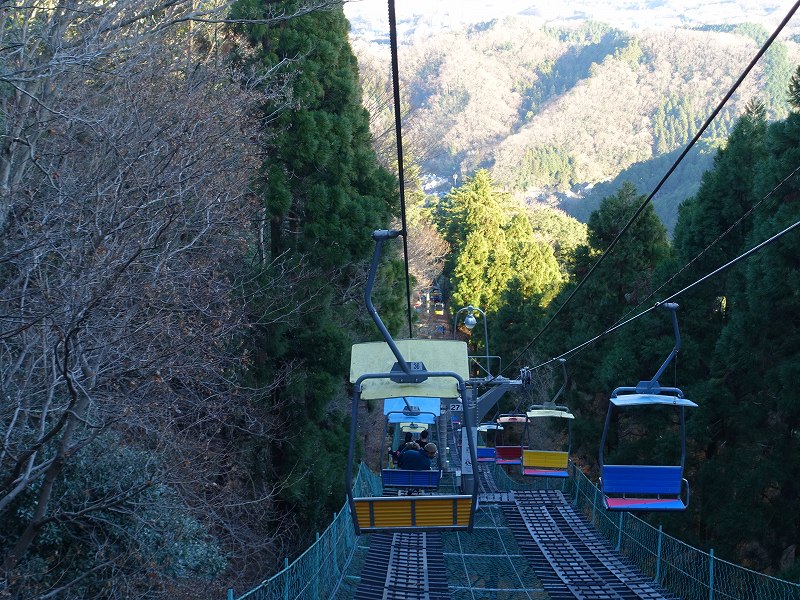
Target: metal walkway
x=528, y=543
x=570, y=558
x=404, y=566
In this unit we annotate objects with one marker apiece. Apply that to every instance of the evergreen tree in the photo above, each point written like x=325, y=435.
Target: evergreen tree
x=625, y=274
x=533, y=262
x=724, y=196
x=622, y=280
x=473, y=218
x=794, y=91
x=324, y=193
x=561, y=232
x=755, y=414
x=726, y=192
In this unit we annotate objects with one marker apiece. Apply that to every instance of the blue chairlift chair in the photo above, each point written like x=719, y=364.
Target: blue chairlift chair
x=647, y=487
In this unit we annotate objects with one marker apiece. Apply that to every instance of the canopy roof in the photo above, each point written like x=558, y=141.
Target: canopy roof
x=645, y=399
x=436, y=355
x=429, y=408
x=512, y=418
x=545, y=412
x=489, y=427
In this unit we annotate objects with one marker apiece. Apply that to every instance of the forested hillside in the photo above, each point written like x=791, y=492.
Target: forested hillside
x=740, y=340
x=552, y=111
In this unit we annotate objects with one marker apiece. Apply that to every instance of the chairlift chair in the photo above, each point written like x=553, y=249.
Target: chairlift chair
x=647, y=487
x=413, y=415
x=485, y=452
x=548, y=462
x=427, y=368
x=505, y=454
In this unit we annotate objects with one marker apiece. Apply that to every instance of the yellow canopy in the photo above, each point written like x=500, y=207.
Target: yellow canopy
x=532, y=414
x=437, y=355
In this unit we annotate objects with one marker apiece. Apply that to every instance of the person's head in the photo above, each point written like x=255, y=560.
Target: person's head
x=409, y=437
x=430, y=449
x=424, y=435
x=412, y=446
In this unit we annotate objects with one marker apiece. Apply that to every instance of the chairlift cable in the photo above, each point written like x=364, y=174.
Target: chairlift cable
x=400, y=171
x=624, y=319
x=663, y=180
x=570, y=353
x=750, y=211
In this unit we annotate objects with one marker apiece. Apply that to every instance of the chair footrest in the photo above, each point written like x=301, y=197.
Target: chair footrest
x=413, y=513
x=648, y=504
x=544, y=472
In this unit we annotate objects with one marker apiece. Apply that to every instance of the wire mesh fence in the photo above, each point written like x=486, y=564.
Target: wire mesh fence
x=487, y=564
x=679, y=568
x=320, y=570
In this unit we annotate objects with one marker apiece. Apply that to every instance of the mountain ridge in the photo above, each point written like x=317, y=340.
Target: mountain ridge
x=553, y=112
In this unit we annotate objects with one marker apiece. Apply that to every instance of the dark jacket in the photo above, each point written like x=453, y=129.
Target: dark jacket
x=415, y=460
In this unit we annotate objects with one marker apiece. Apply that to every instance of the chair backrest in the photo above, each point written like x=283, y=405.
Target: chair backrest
x=642, y=479
x=413, y=513
x=411, y=479
x=545, y=459
x=508, y=452
x=484, y=452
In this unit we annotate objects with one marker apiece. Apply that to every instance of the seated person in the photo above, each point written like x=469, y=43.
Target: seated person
x=413, y=458
x=430, y=450
x=396, y=454
x=423, y=438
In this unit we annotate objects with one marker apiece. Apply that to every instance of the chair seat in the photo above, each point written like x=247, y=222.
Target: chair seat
x=534, y=472
x=644, y=488
x=649, y=504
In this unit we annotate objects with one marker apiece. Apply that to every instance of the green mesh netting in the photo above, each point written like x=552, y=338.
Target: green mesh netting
x=487, y=563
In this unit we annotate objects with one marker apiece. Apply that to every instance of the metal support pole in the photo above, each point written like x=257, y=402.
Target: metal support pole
x=380, y=236
x=711, y=574
x=469, y=310
x=673, y=308
x=230, y=593
x=658, y=557
x=467, y=468
x=315, y=582
x=286, y=578
x=334, y=543
x=577, y=484
x=486, y=342
x=619, y=532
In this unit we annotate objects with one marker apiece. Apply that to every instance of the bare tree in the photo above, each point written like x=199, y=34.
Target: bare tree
x=427, y=251
x=126, y=150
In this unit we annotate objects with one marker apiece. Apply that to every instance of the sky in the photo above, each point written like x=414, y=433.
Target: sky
x=369, y=18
